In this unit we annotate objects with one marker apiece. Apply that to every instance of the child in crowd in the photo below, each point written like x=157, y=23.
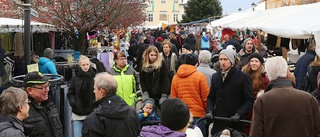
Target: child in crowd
x=146, y=113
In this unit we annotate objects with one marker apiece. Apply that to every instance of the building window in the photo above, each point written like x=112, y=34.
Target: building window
x=181, y=1
x=150, y=17
x=163, y=1
x=175, y=1
x=151, y=1
x=175, y=17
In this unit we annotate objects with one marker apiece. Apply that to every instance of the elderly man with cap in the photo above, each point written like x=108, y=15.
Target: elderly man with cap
x=191, y=87
x=43, y=118
x=230, y=94
x=46, y=65
x=174, y=121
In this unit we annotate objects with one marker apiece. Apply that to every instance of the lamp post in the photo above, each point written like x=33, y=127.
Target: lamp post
x=27, y=6
x=253, y=5
x=239, y=9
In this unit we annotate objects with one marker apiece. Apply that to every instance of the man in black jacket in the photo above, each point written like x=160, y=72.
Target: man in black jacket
x=43, y=114
x=230, y=94
x=112, y=117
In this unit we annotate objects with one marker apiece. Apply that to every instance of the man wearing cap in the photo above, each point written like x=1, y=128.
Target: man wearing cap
x=230, y=94
x=46, y=65
x=191, y=87
x=247, y=50
x=43, y=118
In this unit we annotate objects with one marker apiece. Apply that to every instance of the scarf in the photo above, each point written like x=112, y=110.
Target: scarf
x=149, y=69
x=86, y=90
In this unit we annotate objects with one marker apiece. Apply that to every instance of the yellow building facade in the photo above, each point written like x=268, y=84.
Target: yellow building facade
x=160, y=12
x=281, y=3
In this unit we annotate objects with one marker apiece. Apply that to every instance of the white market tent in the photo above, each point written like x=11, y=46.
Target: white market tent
x=16, y=25
x=299, y=22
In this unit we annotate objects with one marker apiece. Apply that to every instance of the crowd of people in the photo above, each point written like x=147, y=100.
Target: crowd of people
x=179, y=84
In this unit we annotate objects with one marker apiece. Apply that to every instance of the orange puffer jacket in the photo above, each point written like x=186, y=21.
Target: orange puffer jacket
x=191, y=87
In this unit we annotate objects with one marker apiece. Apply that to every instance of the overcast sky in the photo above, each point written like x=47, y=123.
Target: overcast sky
x=231, y=6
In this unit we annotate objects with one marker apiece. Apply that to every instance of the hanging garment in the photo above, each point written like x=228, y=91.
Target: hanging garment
x=57, y=40
x=6, y=41
x=40, y=42
x=271, y=41
x=285, y=42
x=18, y=44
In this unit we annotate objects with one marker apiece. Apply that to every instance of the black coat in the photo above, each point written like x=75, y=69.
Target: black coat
x=156, y=82
x=74, y=96
x=111, y=118
x=233, y=95
x=44, y=119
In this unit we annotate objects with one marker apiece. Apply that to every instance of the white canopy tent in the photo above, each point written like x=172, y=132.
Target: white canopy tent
x=16, y=25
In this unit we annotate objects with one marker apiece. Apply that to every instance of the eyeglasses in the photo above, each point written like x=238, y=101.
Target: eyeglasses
x=42, y=88
x=123, y=59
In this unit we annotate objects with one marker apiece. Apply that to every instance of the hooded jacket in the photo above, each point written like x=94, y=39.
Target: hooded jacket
x=46, y=66
x=160, y=131
x=10, y=127
x=111, y=118
x=191, y=87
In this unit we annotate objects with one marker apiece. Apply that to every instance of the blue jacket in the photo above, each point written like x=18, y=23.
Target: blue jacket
x=205, y=42
x=302, y=66
x=47, y=66
x=151, y=117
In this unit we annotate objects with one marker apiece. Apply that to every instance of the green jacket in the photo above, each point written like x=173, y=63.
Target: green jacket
x=127, y=83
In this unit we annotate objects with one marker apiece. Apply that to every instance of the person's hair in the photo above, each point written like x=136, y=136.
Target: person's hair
x=146, y=60
x=82, y=57
x=10, y=99
x=119, y=55
x=315, y=62
x=205, y=57
x=172, y=36
x=255, y=77
x=106, y=81
x=234, y=36
x=276, y=67
x=142, y=38
x=167, y=42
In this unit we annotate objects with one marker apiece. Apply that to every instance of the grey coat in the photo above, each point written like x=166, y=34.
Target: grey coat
x=207, y=71
x=10, y=127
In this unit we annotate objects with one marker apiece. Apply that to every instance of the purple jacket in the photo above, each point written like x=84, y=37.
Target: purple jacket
x=160, y=131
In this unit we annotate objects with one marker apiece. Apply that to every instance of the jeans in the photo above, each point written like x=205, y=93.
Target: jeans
x=77, y=127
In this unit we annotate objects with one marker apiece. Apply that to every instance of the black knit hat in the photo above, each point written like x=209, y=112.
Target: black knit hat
x=191, y=59
x=256, y=55
x=174, y=114
x=187, y=46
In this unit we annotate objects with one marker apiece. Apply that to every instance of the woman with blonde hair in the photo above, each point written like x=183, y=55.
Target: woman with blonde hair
x=154, y=78
x=80, y=94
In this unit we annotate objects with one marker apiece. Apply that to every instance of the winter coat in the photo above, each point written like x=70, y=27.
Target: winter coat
x=244, y=57
x=44, y=119
x=301, y=67
x=191, y=40
x=75, y=99
x=309, y=83
x=150, y=117
x=207, y=71
x=173, y=60
x=285, y=111
x=111, y=118
x=127, y=83
x=205, y=42
x=233, y=95
x=198, y=41
x=160, y=131
x=47, y=66
x=155, y=82
x=10, y=127
x=191, y=87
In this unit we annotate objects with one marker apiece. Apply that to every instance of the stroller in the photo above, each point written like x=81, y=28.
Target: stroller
x=229, y=132
x=138, y=107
